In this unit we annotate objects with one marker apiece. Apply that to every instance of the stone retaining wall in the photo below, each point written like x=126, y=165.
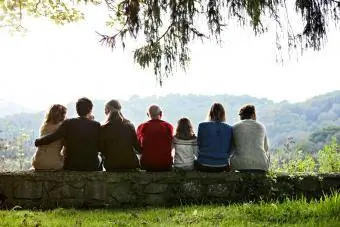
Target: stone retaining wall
x=44, y=190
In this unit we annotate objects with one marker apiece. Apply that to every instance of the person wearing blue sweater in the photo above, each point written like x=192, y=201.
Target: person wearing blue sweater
x=214, y=140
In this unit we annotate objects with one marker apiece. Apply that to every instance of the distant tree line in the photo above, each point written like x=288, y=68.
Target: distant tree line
x=306, y=126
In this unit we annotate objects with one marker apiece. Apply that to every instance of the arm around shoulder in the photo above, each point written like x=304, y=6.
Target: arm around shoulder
x=57, y=135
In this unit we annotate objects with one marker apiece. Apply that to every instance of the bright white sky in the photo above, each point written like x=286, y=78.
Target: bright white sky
x=58, y=64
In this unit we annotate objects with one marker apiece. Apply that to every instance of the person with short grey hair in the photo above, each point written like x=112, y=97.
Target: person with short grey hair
x=155, y=137
x=155, y=112
x=118, y=140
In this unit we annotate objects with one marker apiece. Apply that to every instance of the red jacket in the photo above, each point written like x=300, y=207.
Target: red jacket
x=155, y=137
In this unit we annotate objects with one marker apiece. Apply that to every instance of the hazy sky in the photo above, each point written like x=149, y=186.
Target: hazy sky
x=57, y=64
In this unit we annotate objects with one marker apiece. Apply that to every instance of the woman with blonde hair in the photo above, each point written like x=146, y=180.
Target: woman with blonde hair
x=49, y=157
x=214, y=139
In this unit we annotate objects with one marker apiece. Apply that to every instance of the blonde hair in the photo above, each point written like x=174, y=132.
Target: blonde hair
x=55, y=114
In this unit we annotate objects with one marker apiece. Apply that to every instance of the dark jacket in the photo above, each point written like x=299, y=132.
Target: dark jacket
x=81, y=142
x=119, y=144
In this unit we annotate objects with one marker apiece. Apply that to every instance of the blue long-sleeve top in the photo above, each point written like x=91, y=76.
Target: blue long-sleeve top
x=214, y=141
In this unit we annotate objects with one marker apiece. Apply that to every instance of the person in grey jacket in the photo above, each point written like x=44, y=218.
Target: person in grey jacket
x=250, y=144
x=185, y=145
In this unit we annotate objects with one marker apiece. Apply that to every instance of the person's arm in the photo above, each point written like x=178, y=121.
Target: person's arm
x=135, y=143
x=195, y=147
x=230, y=144
x=102, y=141
x=266, y=146
x=171, y=131
x=57, y=135
x=173, y=144
x=199, y=136
x=140, y=134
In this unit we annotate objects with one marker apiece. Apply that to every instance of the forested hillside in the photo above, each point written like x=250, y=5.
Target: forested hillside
x=282, y=120
x=10, y=108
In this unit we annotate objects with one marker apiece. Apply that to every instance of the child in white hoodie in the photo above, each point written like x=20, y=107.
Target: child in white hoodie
x=185, y=145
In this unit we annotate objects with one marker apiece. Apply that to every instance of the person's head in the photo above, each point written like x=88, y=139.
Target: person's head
x=155, y=112
x=111, y=106
x=247, y=112
x=55, y=114
x=184, y=129
x=112, y=110
x=217, y=113
x=84, y=107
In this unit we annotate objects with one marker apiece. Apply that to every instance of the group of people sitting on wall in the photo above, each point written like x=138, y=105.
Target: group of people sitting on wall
x=83, y=144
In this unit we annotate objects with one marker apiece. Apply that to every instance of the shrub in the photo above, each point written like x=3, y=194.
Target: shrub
x=329, y=157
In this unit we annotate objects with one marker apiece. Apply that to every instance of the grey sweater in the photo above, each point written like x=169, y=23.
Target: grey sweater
x=250, y=146
x=185, y=153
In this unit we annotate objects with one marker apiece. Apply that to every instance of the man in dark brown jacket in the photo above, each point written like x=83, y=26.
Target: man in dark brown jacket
x=118, y=140
x=80, y=137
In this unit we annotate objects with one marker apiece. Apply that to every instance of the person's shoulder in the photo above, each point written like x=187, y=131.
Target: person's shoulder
x=48, y=128
x=204, y=124
x=94, y=122
x=141, y=126
x=237, y=124
x=105, y=125
x=91, y=123
x=74, y=120
x=260, y=124
x=226, y=125
x=166, y=123
x=192, y=141
x=68, y=120
x=128, y=124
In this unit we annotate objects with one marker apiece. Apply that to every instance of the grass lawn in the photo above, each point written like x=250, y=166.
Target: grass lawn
x=325, y=212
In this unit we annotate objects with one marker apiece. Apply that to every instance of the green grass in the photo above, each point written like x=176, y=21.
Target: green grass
x=325, y=212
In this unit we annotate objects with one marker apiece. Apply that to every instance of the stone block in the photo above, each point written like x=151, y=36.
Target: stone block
x=192, y=189
x=28, y=190
x=330, y=183
x=155, y=200
x=62, y=191
x=95, y=190
x=308, y=184
x=113, y=178
x=69, y=203
x=6, y=189
x=218, y=190
x=121, y=192
x=142, y=180
x=155, y=188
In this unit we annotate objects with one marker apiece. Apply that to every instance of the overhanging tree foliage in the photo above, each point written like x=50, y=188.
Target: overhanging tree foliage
x=169, y=26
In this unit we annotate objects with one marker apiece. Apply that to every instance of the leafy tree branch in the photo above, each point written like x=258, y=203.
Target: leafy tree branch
x=169, y=26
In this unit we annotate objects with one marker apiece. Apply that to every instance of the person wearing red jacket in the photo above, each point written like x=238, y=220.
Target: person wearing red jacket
x=155, y=137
